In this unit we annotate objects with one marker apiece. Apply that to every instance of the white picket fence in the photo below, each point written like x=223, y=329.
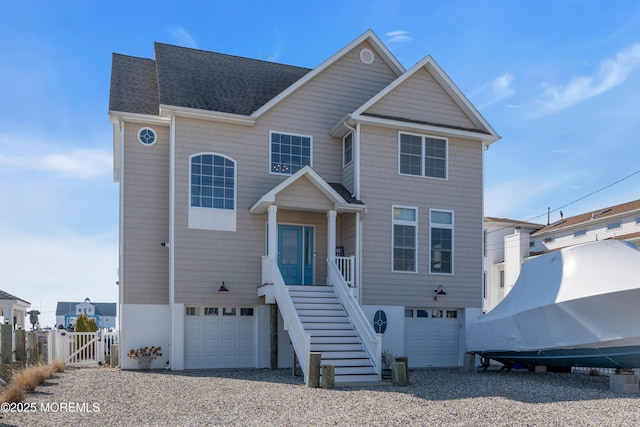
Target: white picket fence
x=81, y=348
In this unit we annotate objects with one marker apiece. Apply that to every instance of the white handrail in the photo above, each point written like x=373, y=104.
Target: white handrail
x=371, y=341
x=300, y=339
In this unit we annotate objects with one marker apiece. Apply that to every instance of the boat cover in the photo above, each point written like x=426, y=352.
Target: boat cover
x=585, y=296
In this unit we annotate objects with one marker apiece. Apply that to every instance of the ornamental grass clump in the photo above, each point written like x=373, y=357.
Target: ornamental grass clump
x=58, y=366
x=145, y=355
x=12, y=394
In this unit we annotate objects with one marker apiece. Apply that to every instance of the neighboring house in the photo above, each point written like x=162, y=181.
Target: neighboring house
x=13, y=310
x=499, y=273
x=509, y=243
x=246, y=183
x=104, y=313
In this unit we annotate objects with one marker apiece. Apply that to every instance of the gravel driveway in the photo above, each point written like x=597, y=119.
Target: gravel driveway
x=435, y=397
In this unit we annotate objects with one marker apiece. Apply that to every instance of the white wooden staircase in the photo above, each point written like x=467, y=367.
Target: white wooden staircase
x=332, y=333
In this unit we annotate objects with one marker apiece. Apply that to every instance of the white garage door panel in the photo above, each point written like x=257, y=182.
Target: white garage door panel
x=432, y=341
x=219, y=341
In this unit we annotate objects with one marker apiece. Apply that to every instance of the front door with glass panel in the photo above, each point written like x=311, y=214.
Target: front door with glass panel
x=295, y=254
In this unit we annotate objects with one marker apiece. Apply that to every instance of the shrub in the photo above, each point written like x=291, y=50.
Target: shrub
x=84, y=324
x=58, y=366
x=145, y=355
x=12, y=394
x=27, y=379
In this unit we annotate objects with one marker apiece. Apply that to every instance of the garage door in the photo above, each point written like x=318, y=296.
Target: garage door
x=432, y=337
x=219, y=337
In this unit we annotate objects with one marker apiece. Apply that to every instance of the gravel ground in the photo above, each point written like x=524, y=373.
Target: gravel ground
x=435, y=397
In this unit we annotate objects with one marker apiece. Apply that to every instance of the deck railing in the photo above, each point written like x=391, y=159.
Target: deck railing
x=300, y=339
x=346, y=265
x=371, y=341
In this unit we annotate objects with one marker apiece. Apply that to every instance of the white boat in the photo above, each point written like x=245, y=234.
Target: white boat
x=578, y=306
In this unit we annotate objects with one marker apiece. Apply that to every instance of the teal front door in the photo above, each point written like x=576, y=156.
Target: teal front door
x=295, y=254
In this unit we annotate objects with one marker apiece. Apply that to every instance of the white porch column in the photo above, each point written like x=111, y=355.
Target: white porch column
x=272, y=229
x=331, y=236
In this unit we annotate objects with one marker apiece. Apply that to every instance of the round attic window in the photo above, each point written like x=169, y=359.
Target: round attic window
x=147, y=136
x=366, y=56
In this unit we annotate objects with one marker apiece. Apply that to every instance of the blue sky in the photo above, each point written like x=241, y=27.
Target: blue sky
x=558, y=80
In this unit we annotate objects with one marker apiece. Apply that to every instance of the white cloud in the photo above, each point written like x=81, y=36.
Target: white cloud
x=80, y=163
x=183, y=38
x=612, y=72
x=495, y=91
x=398, y=36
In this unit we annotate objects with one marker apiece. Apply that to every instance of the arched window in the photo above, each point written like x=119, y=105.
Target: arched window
x=212, y=197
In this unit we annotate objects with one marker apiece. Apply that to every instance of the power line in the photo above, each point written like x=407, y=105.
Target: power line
x=576, y=200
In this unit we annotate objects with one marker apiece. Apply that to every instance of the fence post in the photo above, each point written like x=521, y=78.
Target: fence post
x=20, y=348
x=6, y=344
x=32, y=347
x=114, y=361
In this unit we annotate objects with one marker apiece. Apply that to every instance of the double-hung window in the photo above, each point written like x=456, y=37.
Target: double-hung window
x=421, y=155
x=289, y=153
x=441, y=244
x=212, y=204
x=405, y=239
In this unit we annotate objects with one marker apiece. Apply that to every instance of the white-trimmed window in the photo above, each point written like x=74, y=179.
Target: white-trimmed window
x=580, y=233
x=347, y=149
x=614, y=225
x=192, y=311
x=549, y=239
x=289, y=153
x=638, y=220
x=422, y=155
x=441, y=243
x=405, y=239
x=212, y=192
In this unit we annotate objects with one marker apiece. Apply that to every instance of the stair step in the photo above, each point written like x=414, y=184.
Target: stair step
x=317, y=339
x=322, y=319
x=314, y=300
x=364, y=378
x=312, y=327
x=350, y=370
x=321, y=313
x=333, y=333
x=346, y=362
x=321, y=347
x=328, y=356
x=323, y=306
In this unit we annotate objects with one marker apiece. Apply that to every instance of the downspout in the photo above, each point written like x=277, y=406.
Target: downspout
x=121, y=281
x=172, y=176
x=356, y=194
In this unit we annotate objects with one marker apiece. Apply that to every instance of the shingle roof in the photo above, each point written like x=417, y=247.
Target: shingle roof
x=102, y=308
x=217, y=82
x=134, y=88
x=513, y=221
x=7, y=296
x=593, y=215
x=345, y=193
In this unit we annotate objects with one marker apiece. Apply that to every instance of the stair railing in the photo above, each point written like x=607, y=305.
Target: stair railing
x=371, y=341
x=300, y=339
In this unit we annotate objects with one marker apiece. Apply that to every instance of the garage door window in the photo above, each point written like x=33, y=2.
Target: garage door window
x=211, y=311
x=192, y=311
x=228, y=311
x=246, y=312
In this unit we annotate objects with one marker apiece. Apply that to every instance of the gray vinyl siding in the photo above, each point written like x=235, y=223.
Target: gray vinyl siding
x=422, y=98
x=146, y=218
x=461, y=193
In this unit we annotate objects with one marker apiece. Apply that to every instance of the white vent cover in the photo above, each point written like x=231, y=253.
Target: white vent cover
x=366, y=56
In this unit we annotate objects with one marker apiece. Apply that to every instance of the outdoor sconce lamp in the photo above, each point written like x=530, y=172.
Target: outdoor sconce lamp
x=223, y=288
x=438, y=291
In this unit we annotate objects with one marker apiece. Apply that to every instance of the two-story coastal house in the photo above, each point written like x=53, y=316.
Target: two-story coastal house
x=509, y=243
x=268, y=209
x=104, y=313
